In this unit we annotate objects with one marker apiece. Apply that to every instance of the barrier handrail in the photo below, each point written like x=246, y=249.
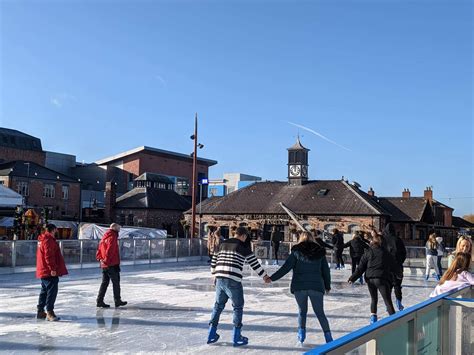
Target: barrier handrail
x=357, y=334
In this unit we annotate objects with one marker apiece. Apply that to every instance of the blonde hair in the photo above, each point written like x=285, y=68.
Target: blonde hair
x=305, y=237
x=460, y=240
x=461, y=262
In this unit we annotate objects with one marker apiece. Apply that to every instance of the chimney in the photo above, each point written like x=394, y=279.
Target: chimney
x=110, y=197
x=406, y=193
x=371, y=192
x=428, y=194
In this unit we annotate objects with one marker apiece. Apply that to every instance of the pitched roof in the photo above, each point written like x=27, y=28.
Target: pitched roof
x=156, y=151
x=298, y=145
x=147, y=197
x=12, y=138
x=32, y=170
x=320, y=197
x=461, y=223
x=404, y=209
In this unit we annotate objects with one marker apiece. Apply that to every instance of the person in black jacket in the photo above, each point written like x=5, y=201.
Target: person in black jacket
x=357, y=247
x=395, y=246
x=338, y=243
x=377, y=264
x=311, y=279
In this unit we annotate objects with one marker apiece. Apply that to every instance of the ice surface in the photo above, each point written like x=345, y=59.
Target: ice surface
x=169, y=309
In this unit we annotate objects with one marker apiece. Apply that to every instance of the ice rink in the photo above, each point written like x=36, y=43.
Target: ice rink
x=169, y=309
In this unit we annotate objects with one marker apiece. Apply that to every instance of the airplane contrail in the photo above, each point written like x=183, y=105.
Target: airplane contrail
x=318, y=134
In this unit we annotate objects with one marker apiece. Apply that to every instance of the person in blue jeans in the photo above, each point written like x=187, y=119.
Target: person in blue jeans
x=226, y=266
x=311, y=279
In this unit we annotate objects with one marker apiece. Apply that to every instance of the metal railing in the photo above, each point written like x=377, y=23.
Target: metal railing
x=440, y=325
x=21, y=255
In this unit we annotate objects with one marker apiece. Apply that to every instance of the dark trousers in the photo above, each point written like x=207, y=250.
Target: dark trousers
x=276, y=247
x=225, y=289
x=316, y=299
x=339, y=259
x=397, y=284
x=110, y=273
x=355, y=263
x=439, y=264
x=383, y=286
x=48, y=294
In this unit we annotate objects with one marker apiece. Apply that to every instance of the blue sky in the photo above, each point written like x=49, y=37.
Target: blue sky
x=390, y=80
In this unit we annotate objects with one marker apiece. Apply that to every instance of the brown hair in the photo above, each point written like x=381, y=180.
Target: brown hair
x=432, y=242
x=376, y=240
x=461, y=262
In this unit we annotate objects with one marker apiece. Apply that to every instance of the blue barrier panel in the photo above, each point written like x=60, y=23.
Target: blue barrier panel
x=400, y=334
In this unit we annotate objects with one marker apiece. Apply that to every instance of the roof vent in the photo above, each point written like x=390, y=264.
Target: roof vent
x=322, y=192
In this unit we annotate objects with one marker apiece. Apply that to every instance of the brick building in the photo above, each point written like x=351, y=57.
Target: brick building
x=325, y=204
x=152, y=202
x=16, y=145
x=43, y=188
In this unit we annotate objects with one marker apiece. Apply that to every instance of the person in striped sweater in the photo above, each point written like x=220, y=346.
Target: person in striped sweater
x=227, y=268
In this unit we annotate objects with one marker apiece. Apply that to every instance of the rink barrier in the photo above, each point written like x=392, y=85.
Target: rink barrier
x=20, y=255
x=440, y=325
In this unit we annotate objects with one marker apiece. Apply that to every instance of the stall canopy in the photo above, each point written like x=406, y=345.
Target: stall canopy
x=9, y=198
x=94, y=231
x=7, y=222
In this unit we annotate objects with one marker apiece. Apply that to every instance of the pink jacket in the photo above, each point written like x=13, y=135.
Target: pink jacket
x=465, y=278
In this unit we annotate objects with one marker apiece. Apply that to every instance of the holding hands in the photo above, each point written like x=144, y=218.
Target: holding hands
x=267, y=279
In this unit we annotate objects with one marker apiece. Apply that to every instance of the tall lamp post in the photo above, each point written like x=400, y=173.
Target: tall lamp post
x=197, y=145
x=204, y=182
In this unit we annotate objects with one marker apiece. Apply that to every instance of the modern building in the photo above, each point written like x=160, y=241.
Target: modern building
x=230, y=183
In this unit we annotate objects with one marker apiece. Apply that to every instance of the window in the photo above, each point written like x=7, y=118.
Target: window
x=182, y=186
x=22, y=188
x=213, y=191
x=2, y=182
x=65, y=192
x=162, y=186
x=48, y=190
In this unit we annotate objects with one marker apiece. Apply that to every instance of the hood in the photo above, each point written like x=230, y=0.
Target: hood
x=45, y=236
x=308, y=251
x=389, y=231
x=110, y=234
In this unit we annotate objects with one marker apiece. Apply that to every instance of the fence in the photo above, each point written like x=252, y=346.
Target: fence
x=19, y=256
x=441, y=325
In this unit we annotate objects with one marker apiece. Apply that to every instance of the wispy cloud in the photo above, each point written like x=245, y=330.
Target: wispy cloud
x=318, y=134
x=60, y=99
x=161, y=80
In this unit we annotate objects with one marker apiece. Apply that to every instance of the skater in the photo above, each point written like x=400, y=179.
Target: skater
x=441, y=250
x=431, y=257
x=49, y=267
x=463, y=245
x=338, y=243
x=226, y=267
x=377, y=264
x=275, y=239
x=395, y=246
x=357, y=247
x=109, y=257
x=457, y=275
x=311, y=278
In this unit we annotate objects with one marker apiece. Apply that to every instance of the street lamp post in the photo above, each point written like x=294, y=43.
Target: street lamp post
x=197, y=145
x=204, y=181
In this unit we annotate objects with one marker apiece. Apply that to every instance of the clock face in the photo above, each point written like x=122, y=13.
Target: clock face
x=304, y=171
x=295, y=170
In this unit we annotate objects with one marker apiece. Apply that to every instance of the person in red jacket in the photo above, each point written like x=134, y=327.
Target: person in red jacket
x=49, y=267
x=109, y=258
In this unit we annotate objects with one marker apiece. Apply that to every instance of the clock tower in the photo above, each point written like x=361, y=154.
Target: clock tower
x=297, y=164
